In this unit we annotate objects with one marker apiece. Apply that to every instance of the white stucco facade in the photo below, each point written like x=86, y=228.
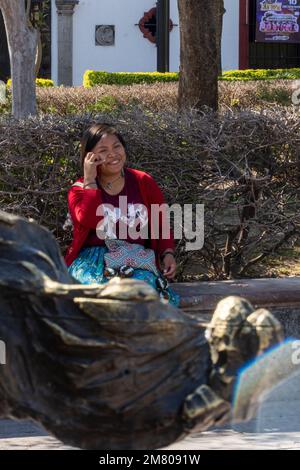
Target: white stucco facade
x=131, y=51
x=230, y=36
x=54, y=63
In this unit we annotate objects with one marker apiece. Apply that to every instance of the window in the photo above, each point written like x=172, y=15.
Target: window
x=147, y=25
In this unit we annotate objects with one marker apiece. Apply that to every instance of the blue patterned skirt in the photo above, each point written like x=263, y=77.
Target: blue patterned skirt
x=88, y=268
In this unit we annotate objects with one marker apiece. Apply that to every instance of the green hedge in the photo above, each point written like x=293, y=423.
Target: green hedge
x=40, y=82
x=261, y=74
x=92, y=78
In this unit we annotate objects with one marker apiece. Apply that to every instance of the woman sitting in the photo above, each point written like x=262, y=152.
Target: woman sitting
x=112, y=207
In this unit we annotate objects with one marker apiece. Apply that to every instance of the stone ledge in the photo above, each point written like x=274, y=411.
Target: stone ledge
x=202, y=297
x=281, y=296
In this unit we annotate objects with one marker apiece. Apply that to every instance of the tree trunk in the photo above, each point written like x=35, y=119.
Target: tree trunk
x=22, y=44
x=39, y=54
x=200, y=52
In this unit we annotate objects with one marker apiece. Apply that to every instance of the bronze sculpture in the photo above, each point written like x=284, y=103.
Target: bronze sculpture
x=111, y=366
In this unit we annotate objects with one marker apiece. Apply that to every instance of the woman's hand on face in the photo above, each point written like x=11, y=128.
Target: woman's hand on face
x=91, y=162
x=169, y=265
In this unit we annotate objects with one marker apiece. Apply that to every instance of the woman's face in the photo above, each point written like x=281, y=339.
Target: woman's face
x=113, y=154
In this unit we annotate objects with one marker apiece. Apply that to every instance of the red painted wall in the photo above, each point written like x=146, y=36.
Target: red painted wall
x=244, y=35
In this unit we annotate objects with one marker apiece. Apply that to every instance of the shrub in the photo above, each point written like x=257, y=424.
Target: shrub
x=261, y=74
x=278, y=95
x=92, y=78
x=159, y=96
x=243, y=166
x=105, y=104
x=106, y=98
x=40, y=82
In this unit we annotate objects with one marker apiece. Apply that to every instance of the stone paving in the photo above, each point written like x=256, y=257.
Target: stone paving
x=283, y=435
x=276, y=426
x=212, y=440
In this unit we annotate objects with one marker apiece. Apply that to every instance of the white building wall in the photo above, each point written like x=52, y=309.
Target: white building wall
x=131, y=52
x=53, y=42
x=174, y=38
x=230, y=37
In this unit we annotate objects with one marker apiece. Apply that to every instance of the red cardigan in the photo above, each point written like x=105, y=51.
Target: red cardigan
x=83, y=204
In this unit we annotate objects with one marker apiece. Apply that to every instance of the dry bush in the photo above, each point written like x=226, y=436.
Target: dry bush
x=257, y=94
x=244, y=166
x=158, y=97
x=161, y=96
x=63, y=100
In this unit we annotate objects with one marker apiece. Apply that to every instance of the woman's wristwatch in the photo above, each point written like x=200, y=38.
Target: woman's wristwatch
x=168, y=252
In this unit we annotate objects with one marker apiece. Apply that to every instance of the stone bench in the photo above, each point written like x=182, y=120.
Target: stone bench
x=281, y=296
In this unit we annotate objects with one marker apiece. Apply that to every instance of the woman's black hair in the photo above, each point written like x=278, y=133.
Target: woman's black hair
x=93, y=134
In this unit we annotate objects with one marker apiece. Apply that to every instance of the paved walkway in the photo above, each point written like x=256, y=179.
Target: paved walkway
x=21, y=438
x=276, y=426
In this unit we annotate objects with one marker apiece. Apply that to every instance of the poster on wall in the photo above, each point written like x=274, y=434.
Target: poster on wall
x=278, y=21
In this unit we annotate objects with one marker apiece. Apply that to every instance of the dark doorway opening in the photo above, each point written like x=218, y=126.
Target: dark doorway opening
x=45, y=69
x=4, y=56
